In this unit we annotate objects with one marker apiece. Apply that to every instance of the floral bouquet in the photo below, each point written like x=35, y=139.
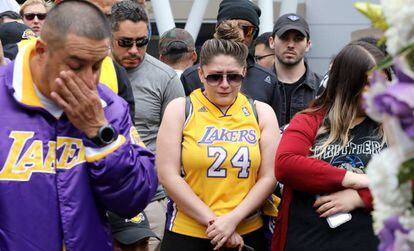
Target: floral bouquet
x=392, y=102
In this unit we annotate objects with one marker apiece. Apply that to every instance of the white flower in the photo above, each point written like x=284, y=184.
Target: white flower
x=392, y=199
x=399, y=15
x=389, y=198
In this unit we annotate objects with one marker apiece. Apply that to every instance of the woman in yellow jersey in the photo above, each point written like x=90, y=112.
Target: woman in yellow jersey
x=216, y=162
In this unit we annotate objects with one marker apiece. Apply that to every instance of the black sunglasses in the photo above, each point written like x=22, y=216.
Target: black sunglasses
x=128, y=42
x=31, y=16
x=234, y=79
x=248, y=30
x=258, y=58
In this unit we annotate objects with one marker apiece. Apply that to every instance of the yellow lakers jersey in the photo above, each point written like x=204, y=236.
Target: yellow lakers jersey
x=220, y=161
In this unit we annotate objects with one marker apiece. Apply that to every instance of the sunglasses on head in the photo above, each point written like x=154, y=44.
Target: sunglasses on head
x=31, y=16
x=234, y=79
x=248, y=30
x=258, y=58
x=129, y=42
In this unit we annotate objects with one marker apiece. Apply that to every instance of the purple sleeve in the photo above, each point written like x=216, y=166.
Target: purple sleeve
x=123, y=177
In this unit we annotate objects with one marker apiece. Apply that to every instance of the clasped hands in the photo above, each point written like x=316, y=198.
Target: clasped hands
x=221, y=231
x=80, y=101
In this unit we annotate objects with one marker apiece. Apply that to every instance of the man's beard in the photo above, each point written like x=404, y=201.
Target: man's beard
x=289, y=62
x=120, y=60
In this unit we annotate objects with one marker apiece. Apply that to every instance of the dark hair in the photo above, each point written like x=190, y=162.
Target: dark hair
x=348, y=74
x=263, y=39
x=373, y=47
x=127, y=10
x=77, y=17
x=10, y=14
x=374, y=41
x=215, y=47
x=177, y=51
x=348, y=77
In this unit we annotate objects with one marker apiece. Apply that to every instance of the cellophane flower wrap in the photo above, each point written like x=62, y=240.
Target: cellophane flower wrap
x=392, y=102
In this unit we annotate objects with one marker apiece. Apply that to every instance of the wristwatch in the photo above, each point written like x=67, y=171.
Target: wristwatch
x=105, y=136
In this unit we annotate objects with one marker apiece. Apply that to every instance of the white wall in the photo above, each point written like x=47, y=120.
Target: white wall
x=331, y=23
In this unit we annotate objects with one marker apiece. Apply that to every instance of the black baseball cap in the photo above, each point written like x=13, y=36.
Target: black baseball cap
x=291, y=21
x=14, y=32
x=10, y=14
x=129, y=231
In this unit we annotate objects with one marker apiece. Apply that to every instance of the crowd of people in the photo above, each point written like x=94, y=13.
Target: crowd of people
x=115, y=149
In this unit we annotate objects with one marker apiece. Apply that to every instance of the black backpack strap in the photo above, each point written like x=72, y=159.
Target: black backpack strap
x=188, y=108
x=253, y=105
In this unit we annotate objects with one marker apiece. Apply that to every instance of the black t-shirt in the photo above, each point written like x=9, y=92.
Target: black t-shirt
x=306, y=230
x=289, y=88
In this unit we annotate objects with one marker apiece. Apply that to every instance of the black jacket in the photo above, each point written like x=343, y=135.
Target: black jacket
x=259, y=83
x=124, y=88
x=301, y=96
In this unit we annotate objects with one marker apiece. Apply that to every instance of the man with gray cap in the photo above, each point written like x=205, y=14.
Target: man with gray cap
x=177, y=49
x=259, y=83
x=297, y=85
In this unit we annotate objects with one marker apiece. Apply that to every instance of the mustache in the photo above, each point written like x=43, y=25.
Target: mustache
x=134, y=56
x=290, y=51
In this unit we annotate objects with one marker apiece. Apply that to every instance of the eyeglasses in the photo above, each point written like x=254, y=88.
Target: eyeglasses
x=248, y=30
x=234, y=79
x=258, y=58
x=128, y=42
x=31, y=16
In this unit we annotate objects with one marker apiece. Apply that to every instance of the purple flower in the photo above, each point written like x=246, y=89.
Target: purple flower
x=397, y=100
x=403, y=69
x=388, y=233
x=401, y=76
x=391, y=102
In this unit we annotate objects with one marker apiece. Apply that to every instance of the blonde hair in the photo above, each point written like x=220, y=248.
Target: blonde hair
x=229, y=30
x=47, y=5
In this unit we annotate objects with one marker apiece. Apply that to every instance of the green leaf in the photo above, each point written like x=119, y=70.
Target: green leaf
x=385, y=63
x=407, y=51
x=406, y=171
x=409, y=58
x=406, y=48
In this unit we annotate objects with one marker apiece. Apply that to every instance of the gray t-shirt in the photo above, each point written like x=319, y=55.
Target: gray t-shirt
x=154, y=85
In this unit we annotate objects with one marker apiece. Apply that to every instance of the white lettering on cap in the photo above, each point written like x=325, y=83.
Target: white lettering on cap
x=293, y=17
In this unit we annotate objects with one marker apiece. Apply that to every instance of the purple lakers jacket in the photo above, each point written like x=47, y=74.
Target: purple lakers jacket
x=55, y=184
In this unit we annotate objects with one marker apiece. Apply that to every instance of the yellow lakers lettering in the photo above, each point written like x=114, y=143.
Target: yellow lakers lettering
x=73, y=152
x=26, y=156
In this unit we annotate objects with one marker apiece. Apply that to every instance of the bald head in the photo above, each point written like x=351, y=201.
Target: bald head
x=77, y=17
